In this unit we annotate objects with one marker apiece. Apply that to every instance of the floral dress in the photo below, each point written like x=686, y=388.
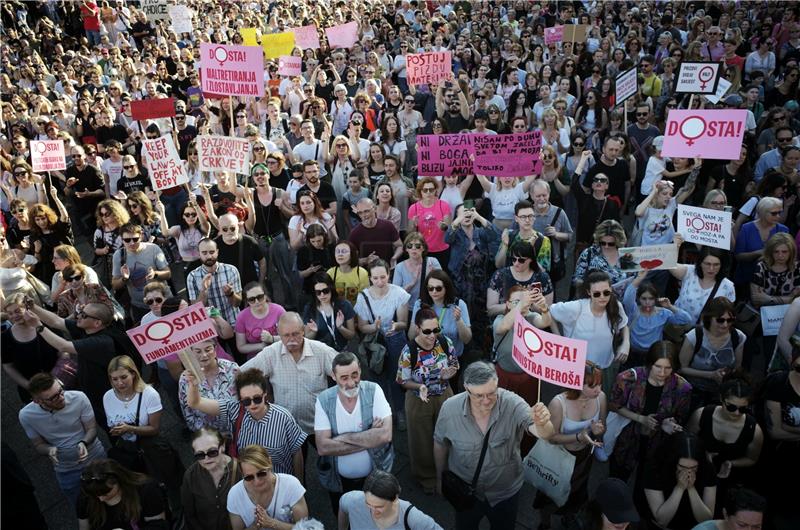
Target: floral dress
x=221, y=388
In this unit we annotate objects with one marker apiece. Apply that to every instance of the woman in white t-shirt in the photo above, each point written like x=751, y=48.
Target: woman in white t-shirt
x=128, y=394
x=310, y=212
x=263, y=498
x=698, y=280
x=654, y=214
x=504, y=193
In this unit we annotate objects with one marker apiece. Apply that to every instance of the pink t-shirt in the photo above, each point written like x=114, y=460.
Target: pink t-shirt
x=428, y=220
x=252, y=326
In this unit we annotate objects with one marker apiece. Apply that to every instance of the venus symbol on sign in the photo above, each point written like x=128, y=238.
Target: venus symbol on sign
x=705, y=75
x=159, y=331
x=532, y=341
x=221, y=55
x=692, y=128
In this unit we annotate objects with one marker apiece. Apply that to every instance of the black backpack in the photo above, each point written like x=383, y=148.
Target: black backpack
x=414, y=349
x=698, y=333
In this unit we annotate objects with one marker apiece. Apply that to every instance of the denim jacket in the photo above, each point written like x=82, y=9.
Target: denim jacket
x=487, y=241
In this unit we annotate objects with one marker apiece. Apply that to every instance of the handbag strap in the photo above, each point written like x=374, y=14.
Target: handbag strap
x=369, y=306
x=480, y=460
x=405, y=517
x=710, y=297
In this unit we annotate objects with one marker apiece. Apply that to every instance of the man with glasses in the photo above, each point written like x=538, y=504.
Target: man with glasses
x=112, y=166
x=641, y=134
x=615, y=169
x=524, y=217
x=240, y=250
x=485, y=410
x=186, y=133
x=311, y=148
x=452, y=105
x=136, y=264
x=375, y=238
x=62, y=426
x=713, y=50
x=772, y=158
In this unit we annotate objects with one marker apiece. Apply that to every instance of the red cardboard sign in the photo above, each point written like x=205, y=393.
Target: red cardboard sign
x=429, y=67
x=552, y=358
x=48, y=155
x=173, y=333
x=150, y=109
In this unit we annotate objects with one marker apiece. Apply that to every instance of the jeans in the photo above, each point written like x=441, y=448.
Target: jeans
x=502, y=515
x=348, y=484
x=93, y=36
x=173, y=204
x=70, y=484
x=394, y=347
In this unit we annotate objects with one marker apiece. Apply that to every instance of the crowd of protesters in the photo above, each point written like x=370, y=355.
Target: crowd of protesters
x=356, y=301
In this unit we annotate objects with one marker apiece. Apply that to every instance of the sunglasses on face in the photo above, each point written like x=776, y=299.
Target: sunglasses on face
x=83, y=315
x=256, y=298
x=730, y=407
x=156, y=300
x=261, y=474
x=87, y=480
x=211, y=453
x=416, y=246
x=518, y=259
x=723, y=320
x=255, y=400
x=598, y=294
x=602, y=181
x=190, y=214
x=132, y=166
x=77, y=278
x=130, y=239
x=641, y=114
x=435, y=331
x=320, y=292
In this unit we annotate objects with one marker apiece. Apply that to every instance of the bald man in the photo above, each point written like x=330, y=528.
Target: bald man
x=240, y=250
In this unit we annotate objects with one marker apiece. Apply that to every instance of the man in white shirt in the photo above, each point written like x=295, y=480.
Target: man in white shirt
x=311, y=148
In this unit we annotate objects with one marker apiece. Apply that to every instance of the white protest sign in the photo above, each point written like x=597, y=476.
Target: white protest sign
x=648, y=258
x=163, y=163
x=181, y=19
x=705, y=226
x=223, y=153
x=722, y=88
x=698, y=77
x=772, y=318
x=48, y=155
x=627, y=85
x=155, y=10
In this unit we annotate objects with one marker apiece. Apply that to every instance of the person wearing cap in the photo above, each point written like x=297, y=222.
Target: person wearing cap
x=612, y=508
x=185, y=133
x=735, y=101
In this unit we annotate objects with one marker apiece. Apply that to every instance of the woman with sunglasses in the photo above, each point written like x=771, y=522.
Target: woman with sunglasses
x=113, y=497
x=192, y=227
x=207, y=482
x=64, y=256
x=439, y=294
x=411, y=273
x=78, y=292
x=25, y=185
x=711, y=350
x=730, y=434
x=47, y=232
x=603, y=255
x=19, y=229
x=752, y=236
x=132, y=179
x=426, y=365
x=523, y=269
x=328, y=318
x=257, y=325
x=265, y=498
x=142, y=214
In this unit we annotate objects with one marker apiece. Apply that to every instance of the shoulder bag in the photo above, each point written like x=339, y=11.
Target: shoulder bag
x=373, y=347
x=458, y=492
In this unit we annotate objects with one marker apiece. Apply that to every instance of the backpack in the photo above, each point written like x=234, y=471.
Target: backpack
x=698, y=343
x=413, y=349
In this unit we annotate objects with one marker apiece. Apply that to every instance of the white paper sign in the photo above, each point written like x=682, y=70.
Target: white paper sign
x=772, y=317
x=163, y=163
x=705, y=226
x=648, y=258
x=722, y=88
x=223, y=153
x=155, y=10
x=627, y=85
x=181, y=19
x=698, y=78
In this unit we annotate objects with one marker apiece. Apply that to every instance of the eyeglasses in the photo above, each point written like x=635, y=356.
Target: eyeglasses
x=598, y=294
x=493, y=111
x=256, y=298
x=435, y=331
x=640, y=114
x=412, y=246
x=435, y=288
x=130, y=239
x=20, y=210
x=488, y=395
x=190, y=214
x=261, y=474
x=83, y=315
x=156, y=300
x=320, y=292
x=55, y=396
x=77, y=278
x=341, y=145
x=211, y=453
x=132, y=166
x=255, y=400
x=518, y=259
x=528, y=217
x=241, y=116
x=409, y=101
x=601, y=180
x=578, y=144
x=428, y=190
x=723, y=320
x=730, y=407
x=785, y=139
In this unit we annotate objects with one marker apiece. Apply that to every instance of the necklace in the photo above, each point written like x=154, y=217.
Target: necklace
x=126, y=402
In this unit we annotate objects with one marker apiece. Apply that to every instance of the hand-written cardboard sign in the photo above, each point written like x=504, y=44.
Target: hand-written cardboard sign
x=698, y=77
x=277, y=44
x=445, y=154
x=249, y=36
x=575, y=33
x=428, y=68
x=232, y=70
x=163, y=163
x=150, y=109
x=223, y=153
x=155, y=10
x=553, y=35
x=627, y=84
x=173, y=333
x=48, y=155
x=705, y=226
x=722, y=89
x=552, y=358
x=648, y=258
x=343, y=35
x=290, y=65
x=707, y=134
x=306, y=37
x=181, y=19
x=507, y=155
x=772, y=318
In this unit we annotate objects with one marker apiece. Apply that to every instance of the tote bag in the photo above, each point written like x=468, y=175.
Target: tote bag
x=548, y=468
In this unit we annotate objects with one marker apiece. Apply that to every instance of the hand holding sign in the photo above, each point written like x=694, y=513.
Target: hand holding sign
x=540, y=414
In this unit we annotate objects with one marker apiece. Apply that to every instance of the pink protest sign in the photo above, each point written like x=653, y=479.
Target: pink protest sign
x=173, y=333
x=428, y=68
x=306, y=37
x=552, y=358
x=445, y=154
x=710, y=134
x=232, y=70
x=507, y=155
x=290, y=65
x=553, y=35
x=163, y=163
x=48, y=155
x=343, y=35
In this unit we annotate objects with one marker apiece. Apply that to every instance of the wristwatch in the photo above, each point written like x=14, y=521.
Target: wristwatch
x=39, y=328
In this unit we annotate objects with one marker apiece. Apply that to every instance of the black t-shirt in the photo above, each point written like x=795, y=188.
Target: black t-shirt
x=618, y=175
x=325, y=194
x=250, y=256
x=89, y=179
x=659, y=477
x=29, y=358
x=15, y=235
x=732, y=185
x=455, y=123
x=593, y=212
x=151, y=504
x=269, y=219
x=185, y=137
x=281, y=180
x=115, y=132
x=94, y=351
x=308, y=257
x=129, y=185
x=778, y=388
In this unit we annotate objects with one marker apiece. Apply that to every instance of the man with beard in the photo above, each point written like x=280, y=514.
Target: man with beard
x=353, y=430
x=240, y=250
x=215, y=284
x=323, y=190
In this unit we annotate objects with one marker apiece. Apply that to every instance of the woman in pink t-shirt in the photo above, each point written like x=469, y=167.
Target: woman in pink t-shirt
x=257, y=326
x=431, y=217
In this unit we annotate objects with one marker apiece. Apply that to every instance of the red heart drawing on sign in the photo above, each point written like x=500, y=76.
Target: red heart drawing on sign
x=650, y=263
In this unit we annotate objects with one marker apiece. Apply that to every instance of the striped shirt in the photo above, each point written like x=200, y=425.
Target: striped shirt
x=224, y=274
x=277, y=432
